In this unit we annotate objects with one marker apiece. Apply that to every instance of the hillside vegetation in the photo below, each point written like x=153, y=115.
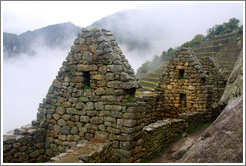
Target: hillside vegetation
x=222, y=43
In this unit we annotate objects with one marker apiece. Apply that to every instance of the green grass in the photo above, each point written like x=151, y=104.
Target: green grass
x=225, y=38
x=198, y=128
x=149, y=88
x=138, y=92
x=213, y=46
x=155, y=78
x=206, y=53
x=86, y=88
x=150, y=82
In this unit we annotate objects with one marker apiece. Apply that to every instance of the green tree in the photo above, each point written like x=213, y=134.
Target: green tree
x=226, y=27
x=195, y=41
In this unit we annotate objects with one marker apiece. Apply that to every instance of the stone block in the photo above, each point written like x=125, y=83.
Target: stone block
x=92, y=113
x=110, y=119
x=81, y=67
x=99, y=106
x=82, y=129
x=101, y=134
x=109, y=76
x=65, y=130
x=115, y=84
x=40, y=117
x=74, y=130
x=113, y=107
x=126, y=77
x=98, y=77
x=84, y=119
x=113, y=130
x=116, y=114
x=56, y=116
x=66, y=117
x=101, y=83
x=109, y=91
x=101, y=127
x=57, y=83
x=62, y=137
x=127, y=122
x=122, y=153
x=89, y=106
x=91, y=126
x=96, y=120
x=109, y=98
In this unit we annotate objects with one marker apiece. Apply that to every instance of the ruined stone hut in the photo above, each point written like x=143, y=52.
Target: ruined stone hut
x=189, y=85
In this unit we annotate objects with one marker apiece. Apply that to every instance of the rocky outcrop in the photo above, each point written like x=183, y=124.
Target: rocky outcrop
x=222, y=142
x=234, y=86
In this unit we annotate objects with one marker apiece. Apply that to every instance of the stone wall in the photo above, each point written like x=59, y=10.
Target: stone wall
x=94, y=151
x=216, y=78
x=152, y=111
x=92, y=97
x=183, y=87
x=27, y=145
x=159, y=135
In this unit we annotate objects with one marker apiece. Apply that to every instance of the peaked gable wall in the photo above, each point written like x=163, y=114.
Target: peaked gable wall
x=183, y=87
x=92, y=97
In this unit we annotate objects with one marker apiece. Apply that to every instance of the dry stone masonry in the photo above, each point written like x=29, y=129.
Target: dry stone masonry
x=93, y=99
x=189, y=85
x=26, y=145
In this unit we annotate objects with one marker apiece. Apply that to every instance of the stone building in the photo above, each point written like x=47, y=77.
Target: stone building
x=189, y=85
x=93, y=96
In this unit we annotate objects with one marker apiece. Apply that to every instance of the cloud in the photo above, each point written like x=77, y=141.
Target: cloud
x=26, y=80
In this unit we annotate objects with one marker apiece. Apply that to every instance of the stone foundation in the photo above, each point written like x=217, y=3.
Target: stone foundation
x=159, y=135
x=26, y=146
x=95, y=151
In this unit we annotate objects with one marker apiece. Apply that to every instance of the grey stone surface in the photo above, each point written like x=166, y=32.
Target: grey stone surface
x=222, y=142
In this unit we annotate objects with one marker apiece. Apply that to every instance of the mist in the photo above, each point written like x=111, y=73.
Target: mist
x=157, y=28
x=26, y=80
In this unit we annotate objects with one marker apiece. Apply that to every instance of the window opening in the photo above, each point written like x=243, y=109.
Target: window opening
x=183, y=100
x=203, y=80
x=130, y=92
x=181, y=73
x=87, y=78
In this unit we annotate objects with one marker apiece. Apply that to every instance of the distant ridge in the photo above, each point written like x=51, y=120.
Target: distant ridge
x=57, y=35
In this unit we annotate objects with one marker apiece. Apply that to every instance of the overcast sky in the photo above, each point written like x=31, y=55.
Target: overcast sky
x=20, y=16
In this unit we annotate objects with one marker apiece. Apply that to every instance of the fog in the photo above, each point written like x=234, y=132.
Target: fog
x=158, y=28
x=26, y=78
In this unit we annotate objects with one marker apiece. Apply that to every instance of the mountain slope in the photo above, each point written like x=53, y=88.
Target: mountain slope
x=224, y=50
x=58, y=35
x=119, y=23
